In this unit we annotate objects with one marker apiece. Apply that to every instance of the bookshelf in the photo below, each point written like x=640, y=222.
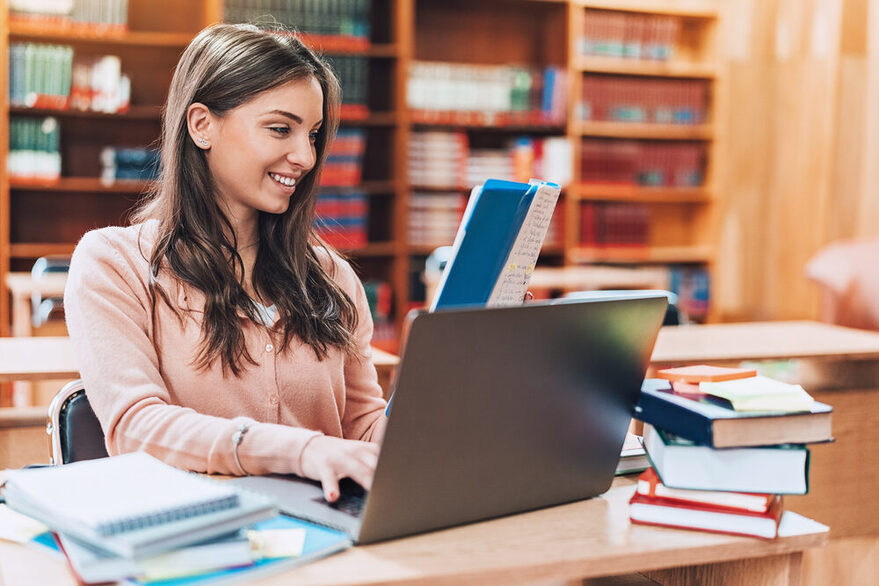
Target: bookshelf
x=40, y=216
x=635, y=65
x=537, y=40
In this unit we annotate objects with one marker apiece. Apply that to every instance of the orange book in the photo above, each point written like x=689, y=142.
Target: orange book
x=704, y=373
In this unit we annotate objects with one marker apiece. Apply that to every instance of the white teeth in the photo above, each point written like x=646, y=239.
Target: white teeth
x=288, y=181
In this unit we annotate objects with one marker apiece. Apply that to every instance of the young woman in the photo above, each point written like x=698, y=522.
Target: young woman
x=218, y=333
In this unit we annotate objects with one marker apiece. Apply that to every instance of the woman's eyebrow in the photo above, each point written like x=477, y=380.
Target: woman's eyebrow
x=290, y=115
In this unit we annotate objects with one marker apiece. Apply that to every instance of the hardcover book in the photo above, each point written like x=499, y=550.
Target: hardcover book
x=782, y=469
x=671, y=513
x=709, y=422
x=497, y=244
x=650, y=485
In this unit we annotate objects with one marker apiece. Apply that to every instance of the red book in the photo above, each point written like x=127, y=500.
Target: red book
x=649, y=485
x=683, y=515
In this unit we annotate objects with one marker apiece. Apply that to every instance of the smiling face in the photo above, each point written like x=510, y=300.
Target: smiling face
x=258, y=151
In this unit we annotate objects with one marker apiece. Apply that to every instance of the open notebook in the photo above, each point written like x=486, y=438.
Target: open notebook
x=132, y=505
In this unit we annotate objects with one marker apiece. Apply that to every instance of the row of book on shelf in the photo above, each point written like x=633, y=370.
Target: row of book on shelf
x=646, y=101
x=629, y=35
x=35, y=153
x=724, y=446
x=445, y=159
x=88, y=15
x=655, y=164
x=328, y=24
x=438, y=92
x=433, y=219
x=54, y=77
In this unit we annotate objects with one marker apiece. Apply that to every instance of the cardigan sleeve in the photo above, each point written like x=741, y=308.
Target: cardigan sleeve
x=108, y=313
x=364, y=415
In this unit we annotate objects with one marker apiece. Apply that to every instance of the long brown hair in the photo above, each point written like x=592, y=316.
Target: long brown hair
x=222, y=68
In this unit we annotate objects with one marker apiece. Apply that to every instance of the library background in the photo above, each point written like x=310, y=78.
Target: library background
x=689, y=160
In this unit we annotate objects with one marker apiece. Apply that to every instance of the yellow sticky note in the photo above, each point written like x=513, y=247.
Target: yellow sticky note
x=277, y=543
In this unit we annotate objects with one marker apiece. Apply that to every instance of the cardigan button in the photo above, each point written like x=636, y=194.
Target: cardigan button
x=269, y=347
x=274, y=399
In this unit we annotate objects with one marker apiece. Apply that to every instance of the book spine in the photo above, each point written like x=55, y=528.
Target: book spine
x=681, y=422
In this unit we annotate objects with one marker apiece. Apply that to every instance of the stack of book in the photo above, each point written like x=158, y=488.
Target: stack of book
x=629, y=35
x=492, y=95
x=344, y=164
x=330, y=25
x=341, y=218
x=642, y=163
x=353, y=73
x=724, y=445
x=94, y=16
x=646, y=101
x=134, y=518
x=433, y=217
x=34, y=149
x=446, y=160
x=50, y=77
x=614, y=225
x=129, y=163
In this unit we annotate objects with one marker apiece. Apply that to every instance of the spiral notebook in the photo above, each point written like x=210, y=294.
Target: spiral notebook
x=133, y=504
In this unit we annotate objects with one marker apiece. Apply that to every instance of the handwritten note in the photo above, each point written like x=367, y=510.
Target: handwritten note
x=512, y=284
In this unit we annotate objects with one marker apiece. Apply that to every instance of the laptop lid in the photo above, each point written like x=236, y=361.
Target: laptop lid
x=503, y=410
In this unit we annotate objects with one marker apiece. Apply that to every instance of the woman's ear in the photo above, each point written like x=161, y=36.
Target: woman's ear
x=199, y=122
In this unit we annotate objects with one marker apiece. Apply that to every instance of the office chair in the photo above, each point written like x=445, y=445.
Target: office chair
x=74, y=431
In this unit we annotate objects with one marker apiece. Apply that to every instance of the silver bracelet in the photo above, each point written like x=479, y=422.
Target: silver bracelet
x=236, y=441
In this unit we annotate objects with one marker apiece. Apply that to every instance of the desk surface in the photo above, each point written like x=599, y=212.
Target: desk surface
x=51, y=357
x=584, y=539
x=781, y=340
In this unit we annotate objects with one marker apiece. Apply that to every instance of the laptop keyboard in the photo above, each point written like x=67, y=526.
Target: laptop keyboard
x=351, y=499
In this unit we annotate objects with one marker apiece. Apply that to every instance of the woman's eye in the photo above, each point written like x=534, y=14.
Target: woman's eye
x=312, y=136
x=283, y=130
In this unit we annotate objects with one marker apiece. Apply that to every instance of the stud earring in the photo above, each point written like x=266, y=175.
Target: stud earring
x=202, y=141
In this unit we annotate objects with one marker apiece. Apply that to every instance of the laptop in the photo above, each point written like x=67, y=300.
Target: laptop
x=496, y=411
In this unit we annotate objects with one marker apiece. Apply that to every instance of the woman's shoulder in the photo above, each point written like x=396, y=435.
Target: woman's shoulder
x=130, y=245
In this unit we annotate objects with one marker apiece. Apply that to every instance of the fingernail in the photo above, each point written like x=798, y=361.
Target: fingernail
x=332, y=496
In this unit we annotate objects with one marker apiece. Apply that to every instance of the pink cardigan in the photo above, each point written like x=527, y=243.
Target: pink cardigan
x=160, y=403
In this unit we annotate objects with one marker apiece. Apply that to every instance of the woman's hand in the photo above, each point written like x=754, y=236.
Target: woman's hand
x=328, y=459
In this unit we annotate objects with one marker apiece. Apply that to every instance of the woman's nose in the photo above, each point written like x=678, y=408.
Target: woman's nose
x=302, y=153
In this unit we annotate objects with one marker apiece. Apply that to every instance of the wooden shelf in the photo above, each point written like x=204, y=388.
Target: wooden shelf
x=635, y=255
x=35, y=32
x=590, y=64
x=373, y=249
x=641, y=194
x=684, y=9
x=133, y=113
x=80, y=185
x=374, y=119
x=512, y=128
x=38, y=249
x=647, y=131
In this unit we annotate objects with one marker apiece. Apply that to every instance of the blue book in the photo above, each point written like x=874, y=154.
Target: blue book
x=714, y=423
x=497, y=244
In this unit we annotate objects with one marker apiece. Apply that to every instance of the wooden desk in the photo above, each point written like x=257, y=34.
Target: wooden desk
x=571, y=542
x=730, y=343
x=838, y=366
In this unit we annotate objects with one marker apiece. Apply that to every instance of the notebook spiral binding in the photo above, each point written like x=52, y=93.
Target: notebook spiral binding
x=126, y=524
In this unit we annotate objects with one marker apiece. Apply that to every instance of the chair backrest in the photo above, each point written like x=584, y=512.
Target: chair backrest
x=74, y=431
